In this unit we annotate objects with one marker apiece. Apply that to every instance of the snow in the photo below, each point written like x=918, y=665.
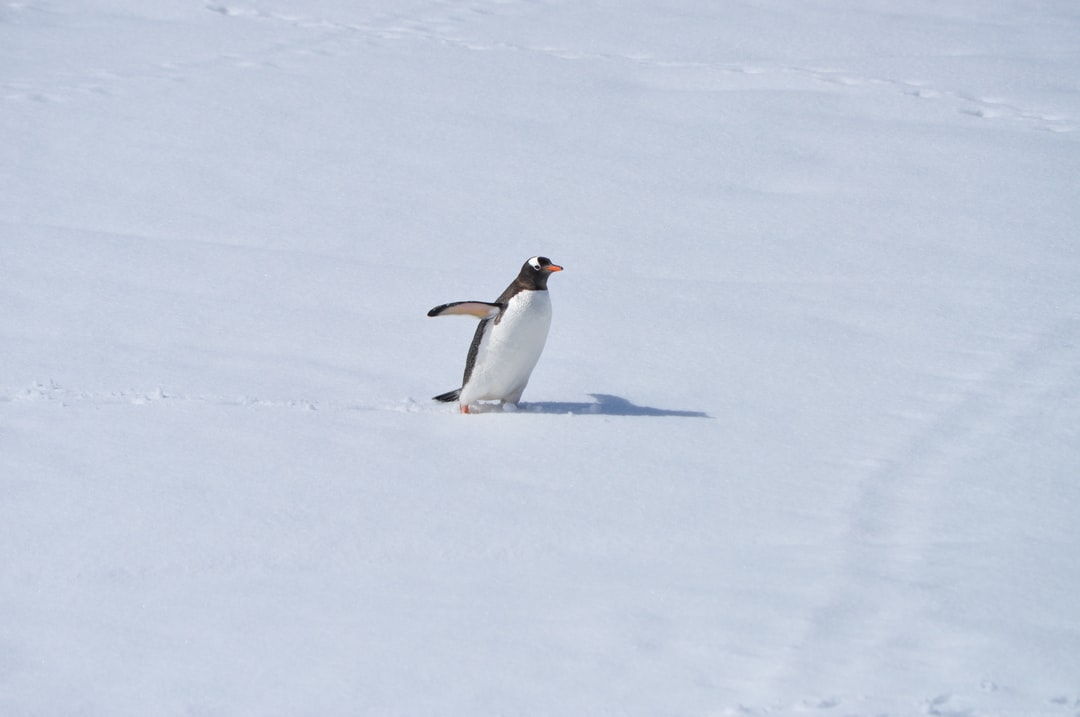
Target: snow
x=805, y=436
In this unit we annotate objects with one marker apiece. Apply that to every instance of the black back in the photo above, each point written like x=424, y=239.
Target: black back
x=532, y=277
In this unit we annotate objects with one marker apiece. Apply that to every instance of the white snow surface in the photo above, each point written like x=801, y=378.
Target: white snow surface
x=805, y=436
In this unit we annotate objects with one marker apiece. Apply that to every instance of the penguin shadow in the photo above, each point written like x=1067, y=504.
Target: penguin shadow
x=607, y=405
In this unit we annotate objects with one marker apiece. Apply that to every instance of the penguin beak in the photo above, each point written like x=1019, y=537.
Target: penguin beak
x=553, y=267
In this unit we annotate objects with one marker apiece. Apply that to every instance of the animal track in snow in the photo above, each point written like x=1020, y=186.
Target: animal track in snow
x=443, y=23
x=1070, y=702
x=901, y=497
x=52, y=391
x=994, y=108
x=982, y=107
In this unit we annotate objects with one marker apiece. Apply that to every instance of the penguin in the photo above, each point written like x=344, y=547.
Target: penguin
x=509, y=339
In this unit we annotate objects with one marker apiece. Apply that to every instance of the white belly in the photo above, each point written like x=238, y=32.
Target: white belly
x=510, y=349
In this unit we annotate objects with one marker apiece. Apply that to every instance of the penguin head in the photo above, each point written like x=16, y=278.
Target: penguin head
x=535, y=272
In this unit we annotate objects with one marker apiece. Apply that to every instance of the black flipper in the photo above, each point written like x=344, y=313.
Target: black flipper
x=449, y=396
x=478, y=309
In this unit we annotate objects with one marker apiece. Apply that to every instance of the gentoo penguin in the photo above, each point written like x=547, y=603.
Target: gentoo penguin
x=509, y=339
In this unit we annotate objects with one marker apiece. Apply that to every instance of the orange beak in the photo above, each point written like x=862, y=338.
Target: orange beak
x=553, y=267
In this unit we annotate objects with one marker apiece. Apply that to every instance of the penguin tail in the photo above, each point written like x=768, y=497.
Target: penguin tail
x=449, y=396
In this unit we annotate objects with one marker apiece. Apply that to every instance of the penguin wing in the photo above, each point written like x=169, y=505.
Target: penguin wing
x=479, y=309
